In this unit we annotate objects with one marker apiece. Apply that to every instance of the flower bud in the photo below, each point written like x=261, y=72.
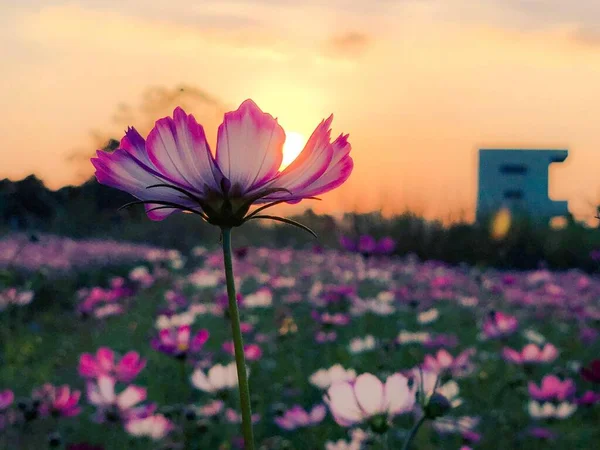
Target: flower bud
x=437, y=406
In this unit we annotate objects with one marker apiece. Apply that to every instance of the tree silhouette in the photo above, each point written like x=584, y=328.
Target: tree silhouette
x=156, y=102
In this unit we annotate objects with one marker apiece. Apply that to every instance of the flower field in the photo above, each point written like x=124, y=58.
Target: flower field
x=346, y=349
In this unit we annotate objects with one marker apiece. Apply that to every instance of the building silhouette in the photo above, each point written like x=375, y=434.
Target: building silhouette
x=518, y=180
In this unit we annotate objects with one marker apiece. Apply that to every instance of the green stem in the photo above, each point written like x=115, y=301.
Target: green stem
x=238, y=344
x=413, y=432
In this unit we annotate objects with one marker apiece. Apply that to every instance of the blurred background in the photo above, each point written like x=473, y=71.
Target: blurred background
x=420, y=85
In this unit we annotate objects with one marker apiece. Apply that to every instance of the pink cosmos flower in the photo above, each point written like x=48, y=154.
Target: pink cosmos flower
x=444, y=361
x=337, y=319
x=179, y=341
x=103, y=363
x=386, y=245
x=542, y=433
x=552, y=388
x=588, y=398
x=366, y=244
x=499, y=325
x=211, y=409
x=251, y=351
x=354, y=402
x=155, y=427
x=57, y=400
x=174, y=168
x=531, y=354
x=325, y=336
x=298, y=417
x=6, y=399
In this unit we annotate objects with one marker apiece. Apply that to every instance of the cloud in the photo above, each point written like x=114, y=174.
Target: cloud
x=349, y=44
x=66, y=28
x=586, y=36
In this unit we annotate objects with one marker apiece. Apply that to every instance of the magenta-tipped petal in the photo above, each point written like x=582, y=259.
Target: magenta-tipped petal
x=320, y=167
x=178, y=149
x=122, y=171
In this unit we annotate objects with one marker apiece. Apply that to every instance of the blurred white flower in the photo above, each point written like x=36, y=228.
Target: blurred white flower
x=353, y=402
x=177, y=264
x=359, y=345
x=409, y=337
x=283, y=282
x=360, y=307
x=429, y=316
x=549, y=410
x=386, y=296
x=453, y=425
x=324, y=378
x=534, y=336
x=175, y=321
x=198, y=251
x=262, y=298
x=155, y=427
x=12, y=296
x=204, y=278
x=468, y=302
x=218, y=378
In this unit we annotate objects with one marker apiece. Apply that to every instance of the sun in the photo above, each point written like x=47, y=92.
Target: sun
x=294, y=143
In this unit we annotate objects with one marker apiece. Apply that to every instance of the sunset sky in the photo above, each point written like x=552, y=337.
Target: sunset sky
x=420, y=85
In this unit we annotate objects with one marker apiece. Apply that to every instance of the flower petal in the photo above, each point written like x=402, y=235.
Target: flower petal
x=342, y=404
x=311, y=163
x=131, y=396
x=122, y=171
x=398, y=396
x=369, y=394
x=249, y=147
x=178, y=149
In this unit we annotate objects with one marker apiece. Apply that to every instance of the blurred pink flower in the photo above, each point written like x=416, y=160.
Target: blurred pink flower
x=211, y=409
x=325, y=336
x=298, y=417
x=385, y=246
x=6, y=398
x=542, y=433
x=251, y=351
x=444, y=361
x=552, y=388
x=245, y=170
x=57, y=400
x=103, y=363
x=233, y=416
x=531, y=354
x=588, y=398
x=179, y=341
x=499, y=325
x=588, y=335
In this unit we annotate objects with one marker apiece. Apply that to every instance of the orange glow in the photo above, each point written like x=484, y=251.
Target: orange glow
x=418, y=89
x=501, y=224
x=294, y=143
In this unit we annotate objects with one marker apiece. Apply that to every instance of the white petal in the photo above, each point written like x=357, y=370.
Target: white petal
x=369, y=394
